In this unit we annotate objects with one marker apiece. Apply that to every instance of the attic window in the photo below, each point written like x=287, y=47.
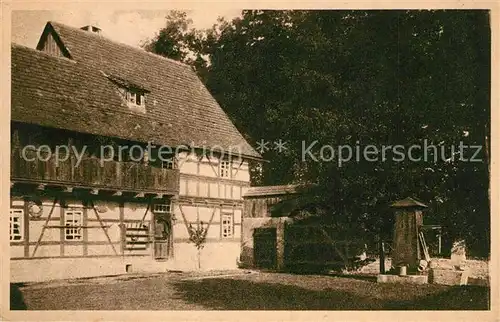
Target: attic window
x=135, y=98
x=50, y=45
x=133, y=94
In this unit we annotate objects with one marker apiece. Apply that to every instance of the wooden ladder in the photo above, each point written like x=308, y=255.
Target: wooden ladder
x=424, y=246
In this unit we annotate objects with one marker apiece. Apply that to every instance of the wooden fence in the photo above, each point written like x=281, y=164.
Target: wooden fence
x=315, y=246
x=319, y=247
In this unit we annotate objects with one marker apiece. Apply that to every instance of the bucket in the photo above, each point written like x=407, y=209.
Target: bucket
x=422, y=265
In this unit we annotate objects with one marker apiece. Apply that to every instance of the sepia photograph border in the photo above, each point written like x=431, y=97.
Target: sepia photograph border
x=6, y=314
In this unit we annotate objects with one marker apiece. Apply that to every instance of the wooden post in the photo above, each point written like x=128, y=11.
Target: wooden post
x=280, y=244
x=85, y=231
x=103, y=227
x=439, y=243
x=123, y=229
x=44, y=227
x=382, y=257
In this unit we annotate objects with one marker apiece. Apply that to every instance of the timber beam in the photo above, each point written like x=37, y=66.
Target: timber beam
x=49, y=189
x=140, y=195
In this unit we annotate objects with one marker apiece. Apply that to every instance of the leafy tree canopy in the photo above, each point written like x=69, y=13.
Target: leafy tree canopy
x=357, y=78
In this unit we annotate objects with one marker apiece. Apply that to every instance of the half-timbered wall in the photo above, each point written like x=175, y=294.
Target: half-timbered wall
x=210, y=196
x=107, y=242
x=98, y=229
x=102, y=246
x=200, y=177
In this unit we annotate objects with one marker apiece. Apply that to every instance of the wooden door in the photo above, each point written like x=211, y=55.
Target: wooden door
x=162, y=237
x=265, y=247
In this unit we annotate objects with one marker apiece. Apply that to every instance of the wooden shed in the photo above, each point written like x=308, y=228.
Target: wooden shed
x=262, y=236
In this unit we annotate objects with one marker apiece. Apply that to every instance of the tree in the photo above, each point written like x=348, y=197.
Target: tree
x=359, y=78
x=198, y=237
x=178, y=40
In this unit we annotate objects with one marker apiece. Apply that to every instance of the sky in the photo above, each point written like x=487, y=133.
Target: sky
x=126, y=26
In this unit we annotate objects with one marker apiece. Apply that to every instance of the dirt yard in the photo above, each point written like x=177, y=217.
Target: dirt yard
x=478, y=269
x=244, y=290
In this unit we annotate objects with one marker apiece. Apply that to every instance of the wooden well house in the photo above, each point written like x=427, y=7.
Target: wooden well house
x=407, y=237
x=93, y=209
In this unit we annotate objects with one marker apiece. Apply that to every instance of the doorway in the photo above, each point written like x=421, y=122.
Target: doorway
x=265, y=248
x=163, y=240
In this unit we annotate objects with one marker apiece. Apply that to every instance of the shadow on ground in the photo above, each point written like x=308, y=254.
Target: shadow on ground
x=246, y=292
x=235, y=294
x=16, y=298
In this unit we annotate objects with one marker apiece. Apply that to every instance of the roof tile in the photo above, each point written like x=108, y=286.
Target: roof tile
x=77, y=95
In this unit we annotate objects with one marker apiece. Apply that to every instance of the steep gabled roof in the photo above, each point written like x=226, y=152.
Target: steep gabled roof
x=78, y=94
x=57, y=92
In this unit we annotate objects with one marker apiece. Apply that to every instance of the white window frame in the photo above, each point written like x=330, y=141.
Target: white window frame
x=162, y=208
x=16, y=217
x=169, y=163
x=73, y=222
x=227, y=225
x=132, y=97
x=225, y=168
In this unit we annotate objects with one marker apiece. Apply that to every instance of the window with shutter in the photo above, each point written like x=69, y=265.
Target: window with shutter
x=73, y=221
x=16, y=224
x=227, y=225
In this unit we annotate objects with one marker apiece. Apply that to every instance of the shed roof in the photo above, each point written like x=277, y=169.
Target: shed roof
x=407, y=203
x=264, y=191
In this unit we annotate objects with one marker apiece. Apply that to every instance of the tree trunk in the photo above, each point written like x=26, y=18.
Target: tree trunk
x=199, y=259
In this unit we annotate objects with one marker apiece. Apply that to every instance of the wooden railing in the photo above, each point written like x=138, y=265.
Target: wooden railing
x=91, y=172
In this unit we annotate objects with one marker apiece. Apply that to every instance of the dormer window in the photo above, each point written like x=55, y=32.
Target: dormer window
x=135, y=98
x=133, y=94
x=169, y=163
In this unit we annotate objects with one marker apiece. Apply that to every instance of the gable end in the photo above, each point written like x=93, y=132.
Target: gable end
x=51, y=43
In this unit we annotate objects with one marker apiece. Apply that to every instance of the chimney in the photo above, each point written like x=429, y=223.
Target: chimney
x=91, y=28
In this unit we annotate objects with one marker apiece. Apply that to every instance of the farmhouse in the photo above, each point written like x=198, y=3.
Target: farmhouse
x=85, y=213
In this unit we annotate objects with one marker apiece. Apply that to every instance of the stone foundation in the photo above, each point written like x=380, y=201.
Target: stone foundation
x=408, y=279
x=215, y=256
x=448, y=277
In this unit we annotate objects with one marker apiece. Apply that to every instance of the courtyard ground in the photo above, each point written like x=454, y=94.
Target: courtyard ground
x=244, y=290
